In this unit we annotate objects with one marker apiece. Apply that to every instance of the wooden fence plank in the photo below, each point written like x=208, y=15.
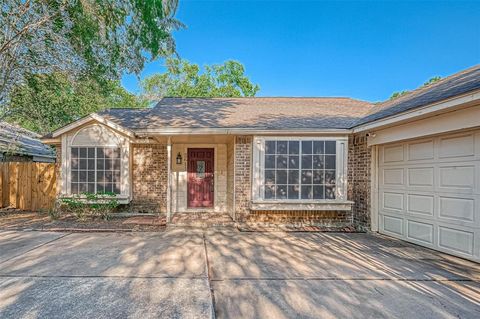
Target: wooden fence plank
x=28, y=186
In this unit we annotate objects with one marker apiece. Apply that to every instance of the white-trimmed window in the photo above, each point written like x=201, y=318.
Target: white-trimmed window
x=95, y=170
x=299, y=169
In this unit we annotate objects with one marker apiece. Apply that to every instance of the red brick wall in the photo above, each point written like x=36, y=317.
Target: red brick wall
x=243, y=173
x=359, y=162
x=149, y=177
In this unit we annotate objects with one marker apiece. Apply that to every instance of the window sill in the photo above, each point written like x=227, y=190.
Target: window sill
x=344, y=205
x=121, y=199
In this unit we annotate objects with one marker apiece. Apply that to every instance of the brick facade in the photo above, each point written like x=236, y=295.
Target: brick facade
x=149, y=177
x=330, y=219
x=359, y=163
x=243, y=174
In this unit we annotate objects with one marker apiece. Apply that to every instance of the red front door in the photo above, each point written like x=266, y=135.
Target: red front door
x=200, y=177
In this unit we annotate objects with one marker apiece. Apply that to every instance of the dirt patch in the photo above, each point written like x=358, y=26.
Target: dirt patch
x=22, y=220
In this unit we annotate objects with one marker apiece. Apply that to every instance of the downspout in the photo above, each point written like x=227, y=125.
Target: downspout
x=234, y=179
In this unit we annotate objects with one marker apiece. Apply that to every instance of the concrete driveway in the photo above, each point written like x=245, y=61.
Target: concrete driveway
x=185, y=273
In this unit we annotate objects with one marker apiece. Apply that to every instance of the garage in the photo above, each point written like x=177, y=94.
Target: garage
x=429, y=192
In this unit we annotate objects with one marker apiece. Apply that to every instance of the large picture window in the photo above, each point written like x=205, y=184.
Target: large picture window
x=299, y=169
x=95, y=170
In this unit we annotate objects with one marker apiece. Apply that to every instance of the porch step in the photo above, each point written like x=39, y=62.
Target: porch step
x=201, y=220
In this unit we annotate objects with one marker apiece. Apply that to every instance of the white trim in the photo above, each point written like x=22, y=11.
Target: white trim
x=169, y=179
x=294, y=205
x=89, y=118
x=238, y=131
x=423, y=111
x=374, y=189
x=341, y=171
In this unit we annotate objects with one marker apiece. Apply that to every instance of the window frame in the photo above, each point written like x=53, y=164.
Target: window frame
x=70, y=168
x=258, y=167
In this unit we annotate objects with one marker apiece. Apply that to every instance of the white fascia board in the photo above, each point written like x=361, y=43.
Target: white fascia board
x=92, y=117
x=236, y=131
x=418, y=112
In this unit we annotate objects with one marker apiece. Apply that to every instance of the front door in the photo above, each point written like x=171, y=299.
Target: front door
x=200, y=177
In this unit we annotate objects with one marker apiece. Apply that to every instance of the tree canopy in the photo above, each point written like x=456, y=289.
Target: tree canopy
x=46, y=102
x=185, y=79
x=400, y=93
x=84, y=38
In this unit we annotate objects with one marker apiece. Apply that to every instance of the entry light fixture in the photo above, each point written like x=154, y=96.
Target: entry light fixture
x=179, y=158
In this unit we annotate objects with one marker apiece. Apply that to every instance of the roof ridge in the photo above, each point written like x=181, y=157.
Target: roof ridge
x=430, y=86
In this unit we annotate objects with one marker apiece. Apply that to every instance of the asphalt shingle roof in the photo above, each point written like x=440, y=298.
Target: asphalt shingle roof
x=17, y=140
x=254, y=113
x=451, y=86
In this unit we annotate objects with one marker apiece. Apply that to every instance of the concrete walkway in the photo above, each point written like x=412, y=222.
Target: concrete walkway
x=187, y=273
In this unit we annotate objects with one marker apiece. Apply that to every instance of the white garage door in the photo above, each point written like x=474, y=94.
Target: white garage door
x=429, y=192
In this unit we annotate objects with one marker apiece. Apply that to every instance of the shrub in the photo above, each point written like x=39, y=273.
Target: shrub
x=90, y=205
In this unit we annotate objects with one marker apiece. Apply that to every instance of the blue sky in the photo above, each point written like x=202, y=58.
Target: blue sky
x=364, y=50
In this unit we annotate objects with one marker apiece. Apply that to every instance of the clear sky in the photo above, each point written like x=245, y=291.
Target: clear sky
x=364, y=50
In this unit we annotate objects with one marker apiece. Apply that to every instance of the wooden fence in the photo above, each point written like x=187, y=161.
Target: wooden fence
x=28, y=185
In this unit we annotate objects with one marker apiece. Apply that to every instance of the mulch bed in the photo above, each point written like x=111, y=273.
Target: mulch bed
x=20, y=220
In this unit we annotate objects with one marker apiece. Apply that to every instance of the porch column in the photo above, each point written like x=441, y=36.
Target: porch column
x=169, y=180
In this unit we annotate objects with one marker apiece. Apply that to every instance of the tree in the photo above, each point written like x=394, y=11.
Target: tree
x=401, y=93
x=184, y=79
x=84, y=38
x=46, y=102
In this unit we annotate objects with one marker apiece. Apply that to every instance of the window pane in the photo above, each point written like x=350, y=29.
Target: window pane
x=269, y=191
x=318, y=192
x=108, y=177
x=108, y=152
x=281, y=191
x=306, y=192
x=74, y=152
x=307, y=161
x=101, y=177
x=318, y=147
x=116, y=164
x=318, y=161
x=330, y=161
x=116, y=176
x=269, y=177
x=91, y=188
x=91, y=164
x=306, y=147
x=74, y=188
x=108, y=164
x=75, y=162
x=91, y=176
x=116, y=153
x=100, y=164
x=82, y=188
x=330, y=147
x=100, y=153
x=306, y=176
x=74, y=176
x=293, y=162
x=282, y=161
x=293, y=191
x=282, y=147
x=83, y=152
x=330, y=177
x=293, y=177
x=100, y=187
x=109, y=187
x=318, y=177
x=91, y=152
x=270, y=161
x=270, y=147
x=116, y=187
x=293, y=147
x=83, y=163
x=330, y=192
x=82, y=177
x=281, y=177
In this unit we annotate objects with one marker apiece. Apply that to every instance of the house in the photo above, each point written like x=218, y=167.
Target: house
x=408, y=167
x=20, y=145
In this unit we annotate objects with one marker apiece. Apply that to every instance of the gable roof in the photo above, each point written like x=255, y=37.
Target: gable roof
x=264, y=113
x=17, y=140
x=454, y=85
